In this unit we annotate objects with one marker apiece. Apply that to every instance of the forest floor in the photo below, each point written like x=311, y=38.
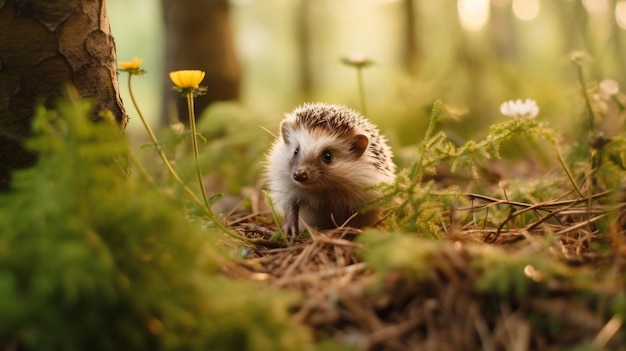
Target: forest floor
x=443, y=308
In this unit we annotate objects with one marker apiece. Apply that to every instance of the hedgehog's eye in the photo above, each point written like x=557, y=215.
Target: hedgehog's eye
x=295, y=152
x=327, y=156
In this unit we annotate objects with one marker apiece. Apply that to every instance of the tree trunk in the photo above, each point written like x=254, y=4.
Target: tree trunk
x=503, y=33
x=411, y=46
x=44, y=46
x=198, y=35
x=303, y=30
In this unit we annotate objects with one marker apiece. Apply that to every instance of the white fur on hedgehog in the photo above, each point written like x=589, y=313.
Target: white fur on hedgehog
x=306, y=187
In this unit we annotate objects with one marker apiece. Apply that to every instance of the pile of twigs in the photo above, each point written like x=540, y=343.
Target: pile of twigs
x=344, y=300
x=572, y=223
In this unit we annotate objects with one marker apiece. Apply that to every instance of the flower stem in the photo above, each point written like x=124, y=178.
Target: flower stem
x=168, y=165
x=593, y=157
x=194, y=144
x=581, y=79
x=144, y=175
x=153, y=138
x=567, y=171
x=359, y=75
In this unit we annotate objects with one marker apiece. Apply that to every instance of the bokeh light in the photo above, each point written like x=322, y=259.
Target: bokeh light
x=620, y=14
x=526, y=10
x=596, y=7
x=473, y=14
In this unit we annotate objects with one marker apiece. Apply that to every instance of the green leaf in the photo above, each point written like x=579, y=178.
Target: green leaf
x=214, y=198
x=201, y=137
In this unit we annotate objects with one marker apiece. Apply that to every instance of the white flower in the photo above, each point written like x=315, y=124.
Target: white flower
x=357, y=60
x=520, y=109
x=609, y=87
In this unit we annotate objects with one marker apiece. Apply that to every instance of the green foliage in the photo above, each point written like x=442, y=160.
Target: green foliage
x=584, y=347
x=334, y=345
x=235, y=150
x=517, y=275
x=495, y=271
x=420, y=207
x=280, y=233
x=619, y=304
x=466, y=156
x=399, y=251
x=612, y=162
x=93, y=259
x=535, y=191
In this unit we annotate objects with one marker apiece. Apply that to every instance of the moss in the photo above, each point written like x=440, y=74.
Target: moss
x=93, y=259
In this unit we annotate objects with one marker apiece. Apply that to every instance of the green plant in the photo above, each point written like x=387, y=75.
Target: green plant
x=187, y=84
x=93, y=259
x=359, y=62
x=420, y=207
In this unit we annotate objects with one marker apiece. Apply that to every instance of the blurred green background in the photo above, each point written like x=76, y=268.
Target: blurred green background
x=471, y=54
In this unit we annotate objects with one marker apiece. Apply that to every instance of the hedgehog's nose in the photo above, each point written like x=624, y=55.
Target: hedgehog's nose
x=300, y=175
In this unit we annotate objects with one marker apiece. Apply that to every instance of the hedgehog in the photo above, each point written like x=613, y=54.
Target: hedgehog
x=325, y=165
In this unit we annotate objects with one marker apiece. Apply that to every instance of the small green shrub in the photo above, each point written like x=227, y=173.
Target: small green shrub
x=91, y=259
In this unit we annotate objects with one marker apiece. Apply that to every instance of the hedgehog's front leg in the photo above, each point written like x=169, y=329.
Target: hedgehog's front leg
x=290, y=223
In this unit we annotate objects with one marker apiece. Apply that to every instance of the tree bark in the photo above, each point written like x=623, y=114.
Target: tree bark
x=44, y=46
x=198, y=35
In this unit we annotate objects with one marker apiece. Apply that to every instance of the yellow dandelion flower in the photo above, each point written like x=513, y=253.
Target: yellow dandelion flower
x=132, y=65
x=187, y=79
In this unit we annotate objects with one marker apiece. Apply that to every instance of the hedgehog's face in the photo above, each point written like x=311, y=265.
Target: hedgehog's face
x=319, y=159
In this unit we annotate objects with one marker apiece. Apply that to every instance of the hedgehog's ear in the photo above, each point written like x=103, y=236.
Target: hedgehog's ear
x=359, y=144
x=286, y=129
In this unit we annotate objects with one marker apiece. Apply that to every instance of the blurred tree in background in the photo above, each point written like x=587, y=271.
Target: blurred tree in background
x=45, y=46
x=198, y=35
x=411, y=48
x=471, y=54
x=304, y=47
